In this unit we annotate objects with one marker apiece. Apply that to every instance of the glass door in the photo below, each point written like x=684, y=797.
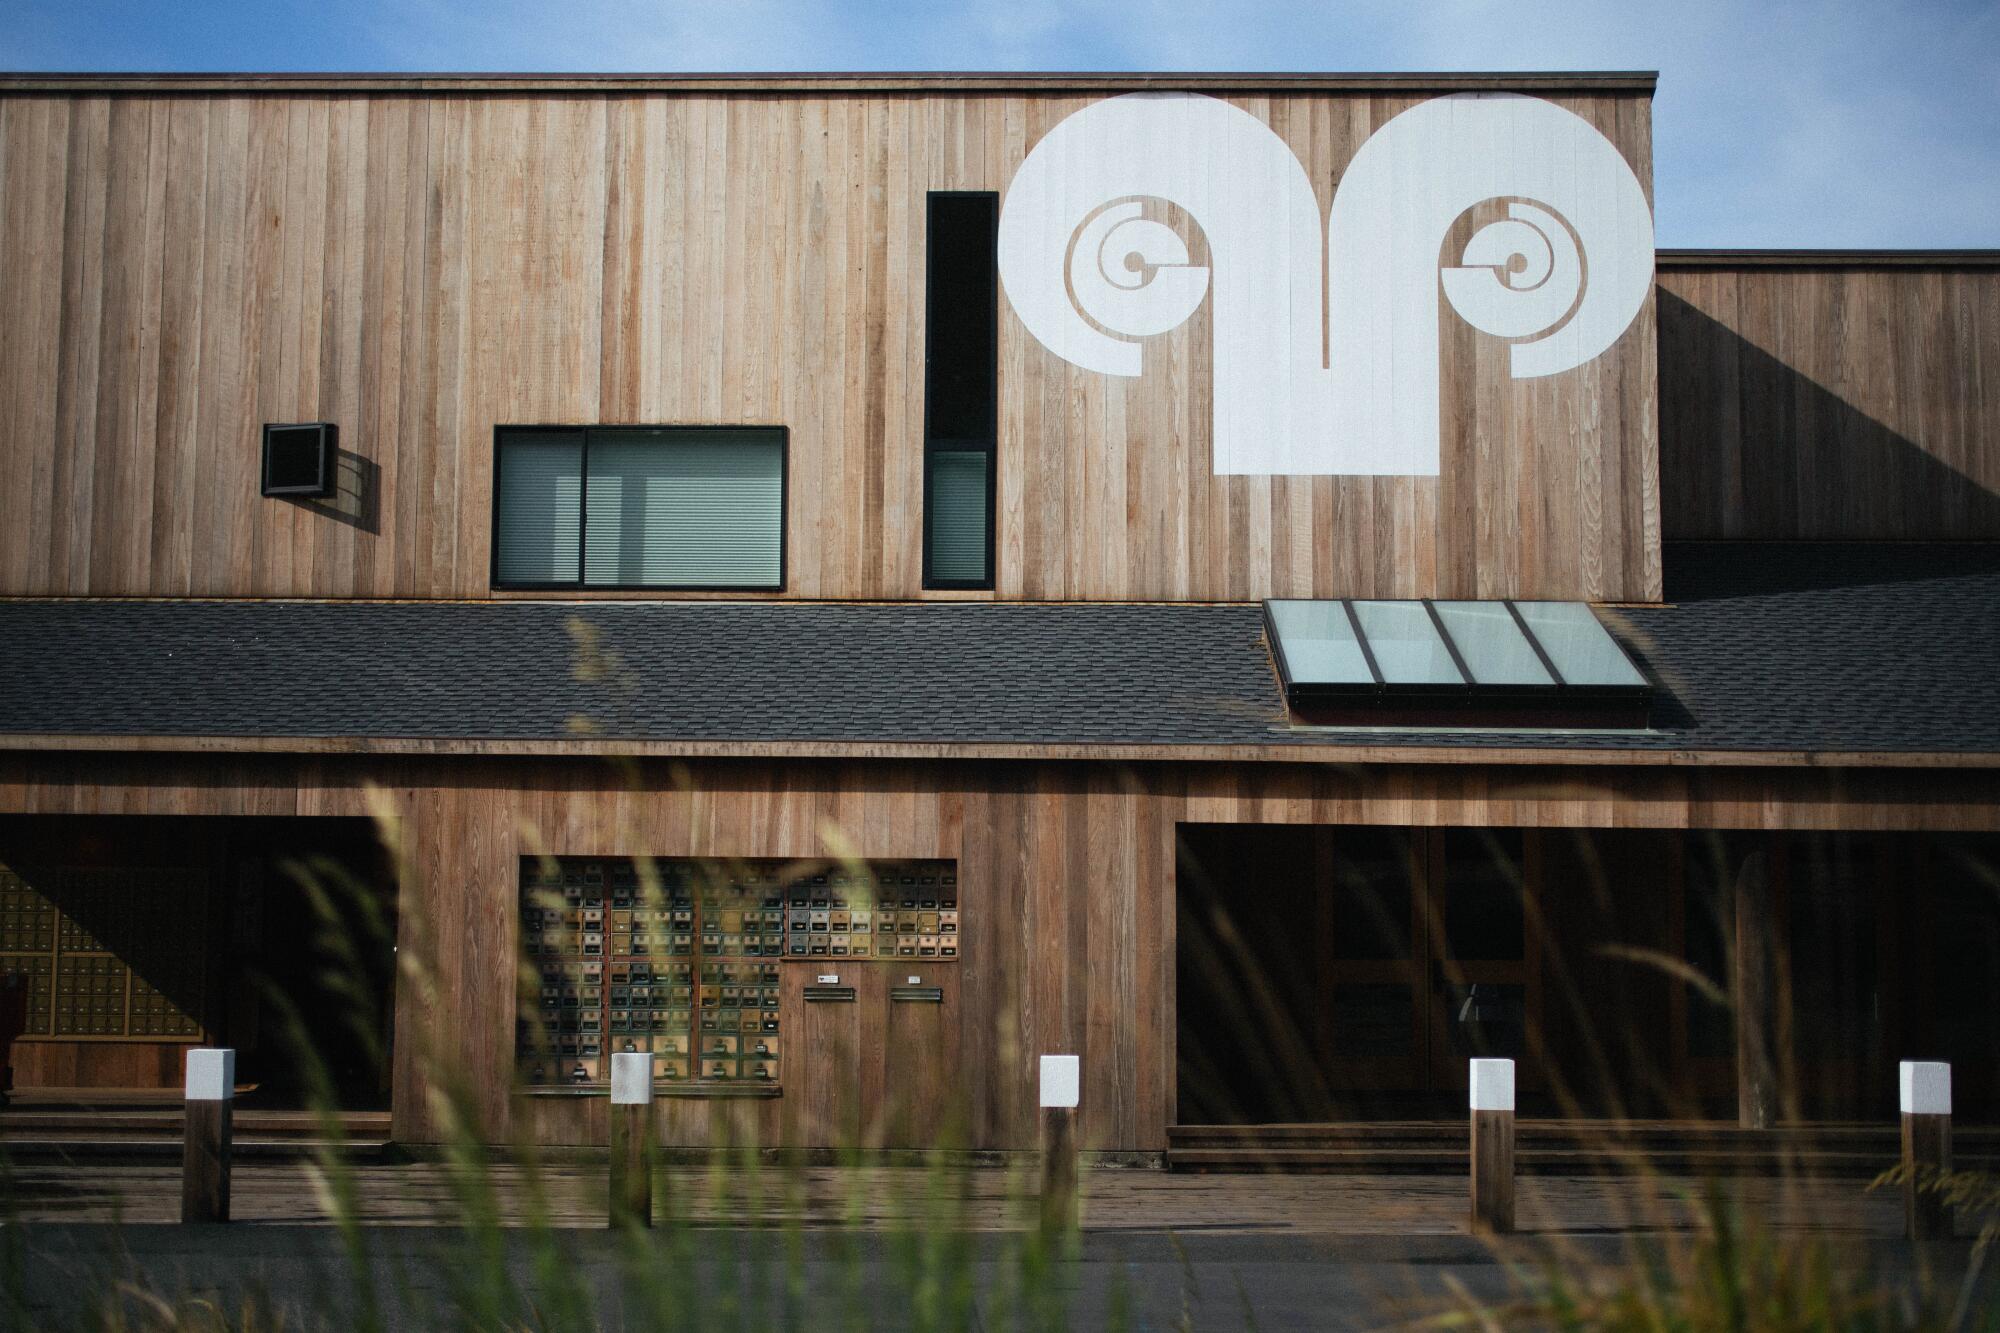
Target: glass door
x=1484, y=996
x=1373, y=1028
x=1428, y=955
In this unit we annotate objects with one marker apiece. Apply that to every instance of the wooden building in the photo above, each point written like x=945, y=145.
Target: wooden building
x=843, y=582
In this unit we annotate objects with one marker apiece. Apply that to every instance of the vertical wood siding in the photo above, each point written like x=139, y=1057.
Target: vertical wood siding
x=180, y=270
x=1835, y=403
x=1067, y=880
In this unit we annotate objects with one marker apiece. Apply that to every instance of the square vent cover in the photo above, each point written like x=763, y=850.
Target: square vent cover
x=298, y=459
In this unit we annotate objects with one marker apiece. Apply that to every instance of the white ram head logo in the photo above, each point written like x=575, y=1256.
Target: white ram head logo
x=1563, y=274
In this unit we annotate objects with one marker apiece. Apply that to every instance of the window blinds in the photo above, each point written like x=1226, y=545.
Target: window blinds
x=541, y=506
x=958, y=516
x=676, y=507
x=685, y=508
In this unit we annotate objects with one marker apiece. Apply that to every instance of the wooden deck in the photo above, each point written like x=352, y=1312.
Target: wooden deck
x=976, y=1199
x=1565, y=1147
x=141, y=1128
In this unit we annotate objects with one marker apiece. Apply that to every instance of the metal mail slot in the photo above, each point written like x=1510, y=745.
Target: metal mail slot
x=829, y=995
x=917, y=994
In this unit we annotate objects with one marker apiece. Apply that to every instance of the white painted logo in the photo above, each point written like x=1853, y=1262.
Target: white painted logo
x=1351, y=389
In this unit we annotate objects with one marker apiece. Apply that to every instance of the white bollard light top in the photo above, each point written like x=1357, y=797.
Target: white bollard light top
x=1926, y=1087
x=632, y=1078
x=1492, y=1085
x=211, y=1074
x=1062, y=1079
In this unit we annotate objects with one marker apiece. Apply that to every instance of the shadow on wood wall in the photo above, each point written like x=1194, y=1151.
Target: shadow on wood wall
x=357, y=495
x=1751, y=447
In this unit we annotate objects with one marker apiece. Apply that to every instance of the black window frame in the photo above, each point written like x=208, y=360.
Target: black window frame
x=935, y=443
x=326, y=440
x=581, y=584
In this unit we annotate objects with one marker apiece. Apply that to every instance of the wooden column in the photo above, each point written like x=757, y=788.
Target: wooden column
x=1061, y=1089
x=1926, y=1101
x=1492, y=1101
x=632, y=1139
x=211, y=1094
x=1756, y=1070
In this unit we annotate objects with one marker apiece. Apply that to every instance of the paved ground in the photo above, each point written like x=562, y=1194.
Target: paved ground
x=862, y=1248
x=978, y=1199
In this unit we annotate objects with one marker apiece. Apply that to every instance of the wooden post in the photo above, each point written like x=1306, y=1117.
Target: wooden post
x=632, y=1138
x=211, y=1092
x=1492, y=1099
x=1756, y=1066
x=1061, y=1088
x=1926, y=1103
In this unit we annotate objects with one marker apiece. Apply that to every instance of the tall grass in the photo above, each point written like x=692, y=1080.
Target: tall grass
x=509, y=1262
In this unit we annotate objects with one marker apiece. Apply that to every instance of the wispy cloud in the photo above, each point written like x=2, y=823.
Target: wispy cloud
x=1816, y=122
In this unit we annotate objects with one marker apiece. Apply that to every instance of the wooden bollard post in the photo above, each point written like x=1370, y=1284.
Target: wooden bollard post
x=1926, y=1099
x=1061, y=1088
x=208, y=1115
x=632, y=1138
x=1492, y=1099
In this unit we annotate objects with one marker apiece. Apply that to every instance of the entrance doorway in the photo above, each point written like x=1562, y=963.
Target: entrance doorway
x=126, y=940
x=1350, y=972
x=1427, y=954
x=1336, y=973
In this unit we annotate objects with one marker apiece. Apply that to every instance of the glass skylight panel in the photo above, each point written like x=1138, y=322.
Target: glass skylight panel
x=1407, y=645
x=1317, y=643
x=1454, y=664
x=1582, y=649
x=1490, y=640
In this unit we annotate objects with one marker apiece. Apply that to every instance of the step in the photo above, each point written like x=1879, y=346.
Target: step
x=1553, y=1146
x=169, y=1123
x=44, y=1148
x=1863, y=1166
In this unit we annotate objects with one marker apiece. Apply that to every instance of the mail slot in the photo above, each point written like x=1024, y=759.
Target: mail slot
x=917, y=994
x=829, y=995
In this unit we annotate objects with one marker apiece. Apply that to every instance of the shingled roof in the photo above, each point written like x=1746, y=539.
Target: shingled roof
x=1811, y=647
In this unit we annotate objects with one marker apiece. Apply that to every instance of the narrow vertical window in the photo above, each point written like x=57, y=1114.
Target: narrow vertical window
x=961, y=390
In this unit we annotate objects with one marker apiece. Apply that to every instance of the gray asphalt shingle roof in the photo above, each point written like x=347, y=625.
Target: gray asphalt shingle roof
x=1806, y=647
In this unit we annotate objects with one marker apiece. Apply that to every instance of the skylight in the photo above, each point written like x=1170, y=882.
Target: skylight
x=1471, y=663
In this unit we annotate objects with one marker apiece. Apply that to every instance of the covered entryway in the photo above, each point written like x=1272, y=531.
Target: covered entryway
x=125, y=940
x=1347, y=973
x=1334, y=973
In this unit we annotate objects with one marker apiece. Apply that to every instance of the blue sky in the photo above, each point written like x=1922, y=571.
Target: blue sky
x=1837, y=123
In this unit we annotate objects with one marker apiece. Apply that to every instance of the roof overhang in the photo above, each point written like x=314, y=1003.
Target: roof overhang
x=1627, y=82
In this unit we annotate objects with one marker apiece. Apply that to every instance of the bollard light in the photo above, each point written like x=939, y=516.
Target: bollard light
x=1491, y=1096
x=1926, y=1102
x=208, y=1120
x=632, y=1138
x=1062, y=1080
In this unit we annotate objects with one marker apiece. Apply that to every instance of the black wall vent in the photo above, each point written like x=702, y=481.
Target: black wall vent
x=298, y=459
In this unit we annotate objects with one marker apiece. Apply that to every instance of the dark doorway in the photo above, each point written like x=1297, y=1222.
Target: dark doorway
x=137, y=937
x=1349, y=973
